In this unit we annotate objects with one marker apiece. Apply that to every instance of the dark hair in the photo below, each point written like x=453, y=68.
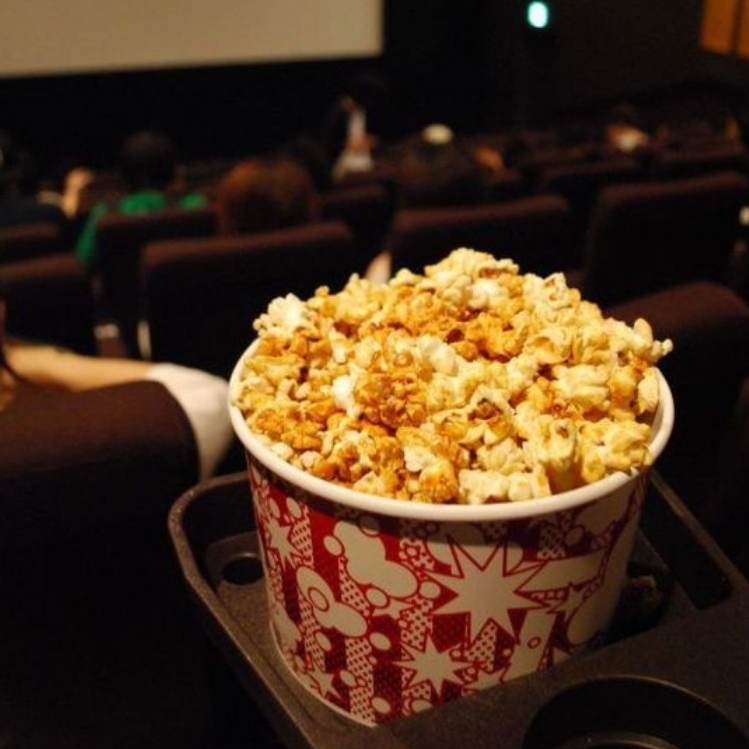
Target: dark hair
x=262, y=195
x=148, y=161
x=432, y=175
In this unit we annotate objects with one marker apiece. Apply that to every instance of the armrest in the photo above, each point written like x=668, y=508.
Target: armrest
x=70, y=461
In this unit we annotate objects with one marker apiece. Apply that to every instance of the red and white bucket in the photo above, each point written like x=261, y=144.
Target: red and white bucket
x=383, y=607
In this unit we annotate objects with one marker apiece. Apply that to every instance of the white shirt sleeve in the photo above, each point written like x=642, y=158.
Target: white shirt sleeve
x=203, y=398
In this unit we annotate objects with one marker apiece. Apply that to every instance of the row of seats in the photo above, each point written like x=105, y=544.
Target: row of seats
x=658, y=164
x=645, y=239
x=366, y=201
x=576, y=172
x=190, y=285
x=366, y=204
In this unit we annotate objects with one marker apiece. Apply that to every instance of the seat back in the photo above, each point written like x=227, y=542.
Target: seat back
x=506, y=184
x=535, y=232
x=691, y=162
x=709, y=326
x=580, y=185
x=201, y=296
x=29, y=241
x=366, y=209
x=50, y=299
x=120, y=241
x=649, y=236
x=538, y=159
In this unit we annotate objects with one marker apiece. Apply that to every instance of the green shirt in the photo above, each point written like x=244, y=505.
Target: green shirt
x=147, y=201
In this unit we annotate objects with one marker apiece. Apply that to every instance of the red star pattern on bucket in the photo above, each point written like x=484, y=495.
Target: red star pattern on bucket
x=382, y=617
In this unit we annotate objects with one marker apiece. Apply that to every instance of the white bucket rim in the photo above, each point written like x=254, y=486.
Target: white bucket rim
x=402, y=508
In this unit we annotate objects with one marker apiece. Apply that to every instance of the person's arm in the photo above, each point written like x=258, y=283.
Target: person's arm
x=76, y=182
x=51, y=367
x=74, y=461
x=202, y=396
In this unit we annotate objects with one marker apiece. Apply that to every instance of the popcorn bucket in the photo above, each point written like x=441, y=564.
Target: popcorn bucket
x=383, y=608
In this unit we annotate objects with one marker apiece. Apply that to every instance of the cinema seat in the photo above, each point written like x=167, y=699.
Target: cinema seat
x=97, y=643
x=366, y=209
x=580, y=185
x=120, y=241
x=50, y=299
x=535, y=232
x=709, y=326
x=29, y=241
x=202, y=295
x=692, y=162
x=649, y=236
x=726, y=511
x=506, y=185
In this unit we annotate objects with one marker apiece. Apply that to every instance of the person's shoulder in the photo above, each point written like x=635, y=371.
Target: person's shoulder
x=192, y=200
x=145, y=201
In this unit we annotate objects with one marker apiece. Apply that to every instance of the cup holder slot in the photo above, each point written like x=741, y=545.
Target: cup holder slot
x=234, y=560
x=243, y=570
x=631, y=713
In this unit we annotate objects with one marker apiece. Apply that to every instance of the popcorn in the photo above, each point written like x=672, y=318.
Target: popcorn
x=343, y=393
x=477, y=487
x=469, y=384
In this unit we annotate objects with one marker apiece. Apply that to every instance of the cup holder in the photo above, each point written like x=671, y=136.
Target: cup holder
x=234, y=560
x=242, y=570
x=631, y=713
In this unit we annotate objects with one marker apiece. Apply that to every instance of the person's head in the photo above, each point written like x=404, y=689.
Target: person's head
x=436, y=171
x=259, y=195
x=624, y=129
x=310, y=155
x=148, y=161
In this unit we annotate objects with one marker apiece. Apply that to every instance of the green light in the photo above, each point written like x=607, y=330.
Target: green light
x=538, y=15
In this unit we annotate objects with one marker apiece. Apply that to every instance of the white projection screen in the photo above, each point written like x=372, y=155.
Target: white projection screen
x=47, y=37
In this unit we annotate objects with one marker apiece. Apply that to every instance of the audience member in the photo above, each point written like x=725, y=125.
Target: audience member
x=348, y=133
x=262, y=195
x=76, y=181
x=148, y=166
x=18, y=205
x=623, y=130
x=436, y=171
x=489, y=159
